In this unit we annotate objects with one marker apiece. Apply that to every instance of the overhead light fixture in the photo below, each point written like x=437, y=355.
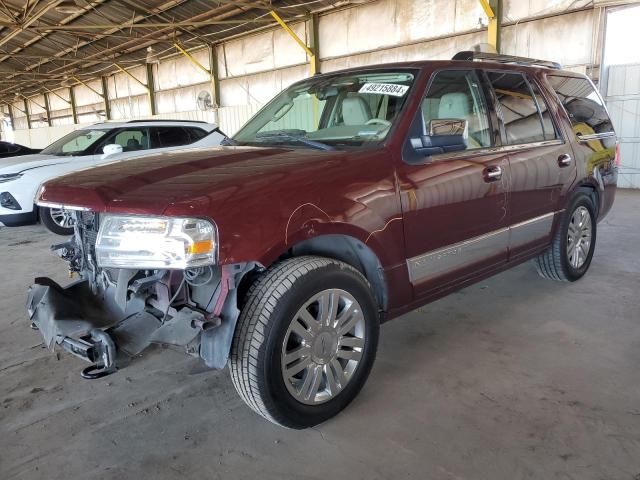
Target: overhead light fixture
x=152, y=56
x=65, y=82
x=69, y=7
x=17, y=96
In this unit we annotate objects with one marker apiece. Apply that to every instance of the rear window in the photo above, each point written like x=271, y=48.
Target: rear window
x=583, y=104
x=525, y=115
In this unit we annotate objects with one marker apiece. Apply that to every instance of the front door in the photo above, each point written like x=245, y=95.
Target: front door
x=455, y=203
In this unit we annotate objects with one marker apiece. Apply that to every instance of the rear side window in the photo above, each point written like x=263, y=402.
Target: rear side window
x=584, y=106
x=523, y=118
x=456, y=95
x=163, y=137
x=195, y=134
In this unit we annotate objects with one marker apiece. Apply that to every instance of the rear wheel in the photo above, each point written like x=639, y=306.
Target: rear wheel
x=569, y=257
x=305, y=341
x=57, y=220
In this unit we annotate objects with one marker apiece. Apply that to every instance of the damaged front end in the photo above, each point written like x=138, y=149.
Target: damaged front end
x=111, y=313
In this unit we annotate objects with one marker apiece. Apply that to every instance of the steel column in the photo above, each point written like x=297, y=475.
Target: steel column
x=74, y=110
x=26, y=111
x=314, y=43
x=151, y=89
x=47, y=108
x=105, y=96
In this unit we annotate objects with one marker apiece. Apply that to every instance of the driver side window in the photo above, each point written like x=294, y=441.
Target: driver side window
x=457, y=95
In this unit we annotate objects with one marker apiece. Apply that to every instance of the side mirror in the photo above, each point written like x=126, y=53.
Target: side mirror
x=111, y=149
x=445, y=135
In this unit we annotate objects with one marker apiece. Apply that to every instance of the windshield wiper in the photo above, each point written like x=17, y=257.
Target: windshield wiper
x=285, y=135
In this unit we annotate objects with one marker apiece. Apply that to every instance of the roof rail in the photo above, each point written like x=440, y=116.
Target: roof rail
x=496, y=57
x=164, y=120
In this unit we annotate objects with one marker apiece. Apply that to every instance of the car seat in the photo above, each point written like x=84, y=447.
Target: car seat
x=458, y=105
x=355, y=110
x=133, y=144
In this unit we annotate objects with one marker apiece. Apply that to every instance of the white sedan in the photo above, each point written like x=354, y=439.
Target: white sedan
x=21, y=177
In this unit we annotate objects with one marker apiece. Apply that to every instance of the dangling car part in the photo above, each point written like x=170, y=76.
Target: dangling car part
x=110, y=314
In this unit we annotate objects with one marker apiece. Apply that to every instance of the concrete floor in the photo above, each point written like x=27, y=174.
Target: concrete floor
x=515, y=377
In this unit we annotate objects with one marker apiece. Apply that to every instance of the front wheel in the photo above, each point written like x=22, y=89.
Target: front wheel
x=569, y=256
x=305, y=342
x=57, y=220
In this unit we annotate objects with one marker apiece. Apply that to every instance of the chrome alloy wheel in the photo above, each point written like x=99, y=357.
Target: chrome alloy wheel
x=323, y=346
x=61, y=217
x=579, y=237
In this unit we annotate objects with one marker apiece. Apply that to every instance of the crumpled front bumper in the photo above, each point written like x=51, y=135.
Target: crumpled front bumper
x=72, y=317
x=95, y=328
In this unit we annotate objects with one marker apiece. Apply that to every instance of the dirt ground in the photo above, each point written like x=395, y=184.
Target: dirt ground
x=515, y=377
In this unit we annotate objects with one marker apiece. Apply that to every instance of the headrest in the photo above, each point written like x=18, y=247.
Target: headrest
x=454, y=105
x=355, y=110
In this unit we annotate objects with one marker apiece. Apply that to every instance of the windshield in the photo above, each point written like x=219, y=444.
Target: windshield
x=75, y=143
x=349, y=109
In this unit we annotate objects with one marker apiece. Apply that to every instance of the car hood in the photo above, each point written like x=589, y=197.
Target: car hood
x=28, y=162
x=201, y=181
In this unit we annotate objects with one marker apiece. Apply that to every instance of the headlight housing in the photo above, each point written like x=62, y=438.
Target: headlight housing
x=155, y=242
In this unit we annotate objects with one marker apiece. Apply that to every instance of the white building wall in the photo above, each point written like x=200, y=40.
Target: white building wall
x=253, y=68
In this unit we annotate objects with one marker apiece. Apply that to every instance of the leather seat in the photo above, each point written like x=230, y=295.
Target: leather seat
x=355, y=110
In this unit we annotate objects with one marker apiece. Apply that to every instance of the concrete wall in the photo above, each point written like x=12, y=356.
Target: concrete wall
x=254, y=68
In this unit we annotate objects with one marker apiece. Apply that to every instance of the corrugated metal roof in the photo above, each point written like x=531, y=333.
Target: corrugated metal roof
x=42, y=42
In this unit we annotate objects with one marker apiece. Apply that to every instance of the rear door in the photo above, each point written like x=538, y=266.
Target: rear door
x=454, y=204
x=542, y=164
x=595, y=141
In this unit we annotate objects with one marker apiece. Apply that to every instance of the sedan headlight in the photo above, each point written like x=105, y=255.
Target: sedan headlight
x=155, y=242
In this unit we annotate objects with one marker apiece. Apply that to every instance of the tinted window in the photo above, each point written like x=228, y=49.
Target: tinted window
x=162, y=137
x=456, y=94
x=195, y=134
x=583, y=104
x=132, y=140
x=522, y=120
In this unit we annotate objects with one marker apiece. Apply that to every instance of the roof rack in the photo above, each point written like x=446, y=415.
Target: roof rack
x=496, y=57
x=164, y=120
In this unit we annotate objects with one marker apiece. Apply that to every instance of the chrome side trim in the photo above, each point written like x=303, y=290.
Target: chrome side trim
x=455, y=256
x=496, y=150
x=64, y=207
x=595, y=136
x=438, y=262
x=530, y=230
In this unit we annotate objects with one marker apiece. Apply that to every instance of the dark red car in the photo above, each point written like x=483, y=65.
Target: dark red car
x=351, y=198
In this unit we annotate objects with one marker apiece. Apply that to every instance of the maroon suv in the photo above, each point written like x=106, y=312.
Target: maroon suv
x=351, y=198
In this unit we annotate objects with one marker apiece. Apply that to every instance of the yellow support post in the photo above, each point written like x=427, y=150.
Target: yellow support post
x=92, y=89
x=192, y=59
x=493, y=9
x=130, y=75
x=303, y=45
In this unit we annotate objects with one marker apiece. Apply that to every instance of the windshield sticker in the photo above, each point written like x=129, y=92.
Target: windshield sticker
x=392, y=89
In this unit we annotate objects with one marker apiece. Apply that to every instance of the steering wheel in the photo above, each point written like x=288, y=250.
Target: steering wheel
x=378, y=121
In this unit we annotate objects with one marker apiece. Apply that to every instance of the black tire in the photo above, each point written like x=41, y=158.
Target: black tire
x=52, y=226
x=271, y=303
x=553, y=263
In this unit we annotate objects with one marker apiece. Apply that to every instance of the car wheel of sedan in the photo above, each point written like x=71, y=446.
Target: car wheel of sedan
x=569, y=257
x=305, y=342
x=57, y=220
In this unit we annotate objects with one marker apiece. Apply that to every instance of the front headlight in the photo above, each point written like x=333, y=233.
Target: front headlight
x=155, y=242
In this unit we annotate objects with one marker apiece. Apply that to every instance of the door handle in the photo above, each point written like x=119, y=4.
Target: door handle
x=564, y=160
x=493, y=173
